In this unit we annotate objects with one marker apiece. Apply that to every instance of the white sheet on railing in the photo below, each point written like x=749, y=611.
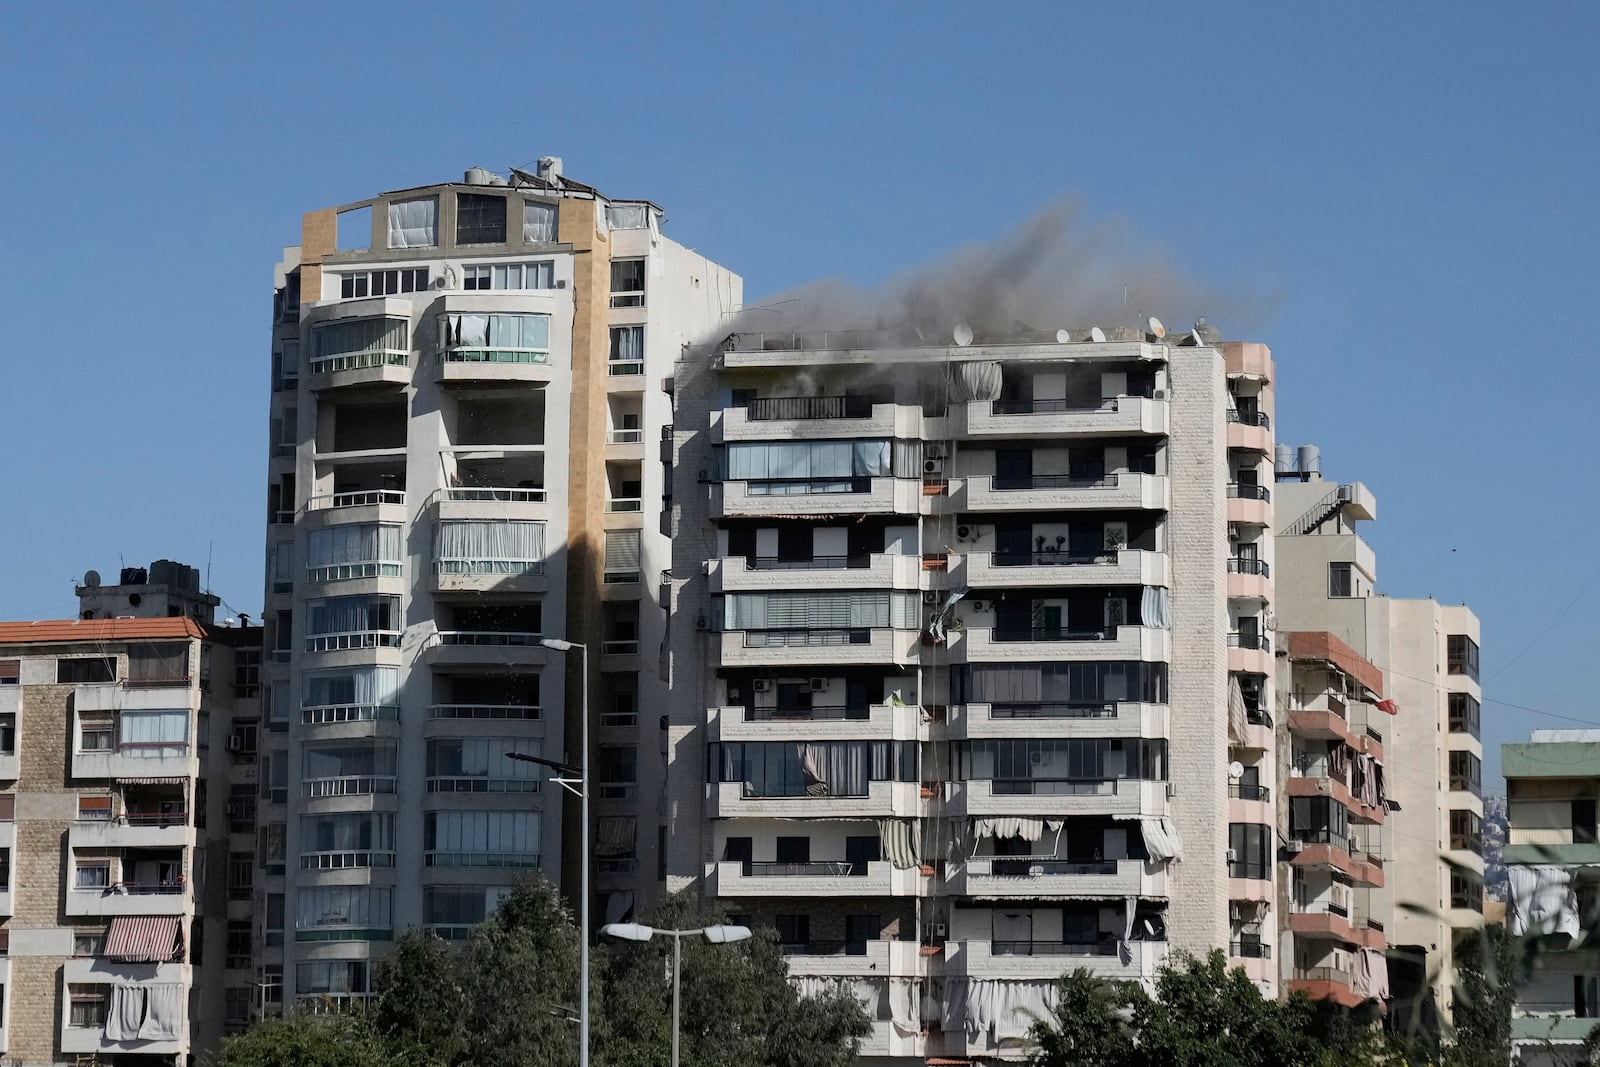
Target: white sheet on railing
x=1370, y=977
x=1161, y=838
x=902, y=842
x=1238, y=717
x=1542, y=901
x=999, y=1009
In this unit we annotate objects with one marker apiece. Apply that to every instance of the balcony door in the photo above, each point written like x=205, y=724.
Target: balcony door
x=1013, y=468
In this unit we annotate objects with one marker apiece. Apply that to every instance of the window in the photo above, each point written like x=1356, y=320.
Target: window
x=350, y=622
x=1461, y=656
x=480, y=220
x=86, y=670
x=540, y=274
x=1583, y=822
x=619, y=770
x=452, y=911
x=91, y=874
x=485, y=547
x=1466, y=831
x=627, y=283
x=353, y=550
x=627, y=350
x=353, y=768
x=153, y=730
x=794, y=930
x=627, y=216
x=94, y=809
x=621, y=556
x=1464, y=714
x=539, y=222
x=661, y=855
x=86, y=1006
x=8, y=734
x=1341, y=580
x=96, y=731
x=238, y=1003
x=238, y=947
x=482, y=765
x=1466, y=773
x=272, y=977
x=481, y=839
x=494, y=338
x=413, y=223
x=246, y=672
x=383, y=282
x=241, y=809
x=10, y=671
x=346, y=839
x=818, y=768
x=271, y=846
x=350, y=344
x=289, y=364
x=1250, y=850
x=88, y=942
x=1466, y=891
x=344, y=913
x=241, y=875
x=333, y=978
x=353, y=230
x=242, y=736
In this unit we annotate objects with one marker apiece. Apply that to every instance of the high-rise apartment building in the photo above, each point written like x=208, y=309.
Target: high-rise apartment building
x=471, y=384
x=1402, y=717
x=124, y=891
x=971, y=663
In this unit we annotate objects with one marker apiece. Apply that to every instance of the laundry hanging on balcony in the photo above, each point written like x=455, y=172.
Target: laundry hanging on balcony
x=1238, y=717
x=1000, y=1009
x=869, y=993
x=1153, y=608
x=1542, y=901
x=902, y=842
x=1161, y=838
x=1369, y=979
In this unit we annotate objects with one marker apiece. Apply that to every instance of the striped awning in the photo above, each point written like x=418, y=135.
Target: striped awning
x=169, y=780
x=615, y=836
x=143, y=939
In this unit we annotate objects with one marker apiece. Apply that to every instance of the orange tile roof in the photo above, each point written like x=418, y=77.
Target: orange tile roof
x=66, y=631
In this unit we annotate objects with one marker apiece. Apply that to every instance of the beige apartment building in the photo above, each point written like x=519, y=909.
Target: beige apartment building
x=471, y=399
x=972, y=667
x=126, y=938
x=1410, y=701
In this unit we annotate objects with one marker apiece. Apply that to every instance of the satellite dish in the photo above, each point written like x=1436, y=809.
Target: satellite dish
x=962, y=334
x=1097, y=335
x=1235, y=770
x=91, y=579
x=1156, y=328
x=1196, y=340
x=1062, y=337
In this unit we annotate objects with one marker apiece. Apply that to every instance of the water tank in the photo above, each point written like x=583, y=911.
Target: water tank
x=479, y=176
x=549, y=167
x=1310, y=460
x=1283, y=460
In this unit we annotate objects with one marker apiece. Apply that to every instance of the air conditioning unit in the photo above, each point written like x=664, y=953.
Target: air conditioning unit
x=980, y=605
x=1158, y=394
x=930, y=596
x=702, y=623
x=1294, y=845
x=761, y=685
x=933, y=466
x=232, y=810
x=1036, y=871
x=1172, y=790
x=966, y=533
x=235, y=743
x=1233, y=855
x=818, y=684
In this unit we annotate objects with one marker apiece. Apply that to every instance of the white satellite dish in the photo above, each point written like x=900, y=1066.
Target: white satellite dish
x=91, y=579
x=1063, y=336
x=1097, y=335
x=1156, y=329
x=1235, y=770
x=962, y=334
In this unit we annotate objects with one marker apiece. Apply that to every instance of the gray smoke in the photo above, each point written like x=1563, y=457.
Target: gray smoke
x=1052, y=272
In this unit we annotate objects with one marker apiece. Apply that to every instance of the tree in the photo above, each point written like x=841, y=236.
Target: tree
x=306, y=1040
x=420, y=1003
x=1205, y=1014
x=1087, y=1028
x=1488, y=966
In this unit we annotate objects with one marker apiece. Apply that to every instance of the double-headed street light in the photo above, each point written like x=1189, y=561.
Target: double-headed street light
x=717, y=935
x=576, y=780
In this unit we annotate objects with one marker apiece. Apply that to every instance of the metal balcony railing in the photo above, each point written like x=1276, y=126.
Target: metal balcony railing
x=773, y=408
x=809, y=869
x=1240, y=565
x=1250, y=418
x=1032, y=867
x=1246, y=491
x=1055, y=406
x=1259, y=642
x=1052, y=710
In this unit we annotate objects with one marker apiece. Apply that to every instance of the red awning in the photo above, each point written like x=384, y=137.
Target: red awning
x=142, y=939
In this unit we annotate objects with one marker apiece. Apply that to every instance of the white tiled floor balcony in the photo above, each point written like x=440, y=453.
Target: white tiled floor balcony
x=978, y=644
x=882, y=959
x=823, y=496
x=1047, y=719
x=818, y=878
x=1044, y=492
x=980, y=570
x=1050, y=959
x=1061, y=418
x=726, y=800
x=875, y=722
x=812, y=418
x=751, y=648
x=736, y=574
x=1033, y=878
x=1051, y=797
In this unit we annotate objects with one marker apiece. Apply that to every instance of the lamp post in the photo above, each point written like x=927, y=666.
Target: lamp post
x=717, y=935
x=576, y=780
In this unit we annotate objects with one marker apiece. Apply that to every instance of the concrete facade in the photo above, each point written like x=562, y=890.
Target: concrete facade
x=470, y=386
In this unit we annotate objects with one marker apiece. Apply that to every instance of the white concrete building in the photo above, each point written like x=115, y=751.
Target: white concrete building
x=966, y=640
x=470, y=386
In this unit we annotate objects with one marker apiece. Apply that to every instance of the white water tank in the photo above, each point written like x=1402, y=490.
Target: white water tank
x=549, y=167
x=479, y=176
x=1310, y=460
x=1283, y=460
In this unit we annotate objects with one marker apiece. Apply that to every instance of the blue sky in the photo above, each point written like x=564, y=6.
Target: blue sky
x=1398, y=201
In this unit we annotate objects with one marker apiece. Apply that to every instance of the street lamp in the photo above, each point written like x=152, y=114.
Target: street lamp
x=576, y=780
x=717, y=935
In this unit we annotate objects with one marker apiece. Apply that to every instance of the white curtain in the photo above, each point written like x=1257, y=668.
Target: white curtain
x=626, y=216
x=979, y=381
x=1542, y=901
x=1238, y=717
x=821, y=611
x=163, y=1019
x=154, y=728
x=353, y=614
x=519, y=331
x=412, y=223
x=355, y=543
x=839, y=767
x=538, y=221
x=345, y=905
x=810, y=459
x=996, y=1009
x=353, y=685
x=1161, y=839
x=627, y=344
x=1153, y=608
x=491, y=547
x=1027, y=827
x=902, y=842
x=125, y=1012
x=905, y=1010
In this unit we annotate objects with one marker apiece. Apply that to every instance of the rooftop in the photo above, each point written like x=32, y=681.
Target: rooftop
x=68, y=631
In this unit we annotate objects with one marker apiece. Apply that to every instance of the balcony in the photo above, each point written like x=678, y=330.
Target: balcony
x=130, y=898
x=844, y=959
x=470, y=363
x=347, y=785
x=983, y=644
x=1329, y=851
x=1323, y=920
x=1054, y=418
x=1324, y=983
x=992, y=570
x=873, y=722
x=1249, y=579
x=485, y=648
x=1060, y=719
x=1253, y=957
x=1250, y=430
x=823, y=878
x=136, y=760
x=491, y=503
x=817, y=496
x=1249, y=505
x=753, y=648
x=739, y=574
x=134, y=829
x=489, y=576
x=11, y=704
x=352, y=640
x=360, y=343
x=1049, y=960
x=1060, y=492
x=1250, y=653
x=91, y=1041
x=811, y=418
x=1249, y=802
x=1129, y=797
x=1041, y=877
x=727, y=800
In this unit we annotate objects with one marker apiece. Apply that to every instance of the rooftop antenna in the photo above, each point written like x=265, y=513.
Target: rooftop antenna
x=209, y=545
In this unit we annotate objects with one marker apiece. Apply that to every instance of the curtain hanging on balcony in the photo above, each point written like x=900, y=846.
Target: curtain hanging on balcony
x=977, y=381
x=354, y=543
x=491, y=547
x=1238, y=717
x=163, y=1020
x=902, y=842
x=353, y=685
x=996, y=1009
x=835, y=768
x=154, y=728
x=1007, y=685
x=125, y=1012
x=1542, y=901
x=905, y=1010
x=1370, y=976
x=351, y=614
x=1161, y=838
x=1029, y=828
x=1125, y=946
x=1153, y=608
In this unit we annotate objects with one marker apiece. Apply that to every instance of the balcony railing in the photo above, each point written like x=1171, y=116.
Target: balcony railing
x=805, y=638
x=1051, y=710
x=1051, y=634
x=330, y=714
x=1055, y=406
x=810, y=869
x=620, y=648
x=828, y=712
x=1240, y=565
x=479, y=783
x=806, y=486
x=1029, y=866
x=341, y=572
x=773, y=408
x=1259, y=642
x=348, y=785
x=1248, y=791
x=157, y=819
x=625, y=368
x=1052, y=787
x=1250, y=418
x=483, y=711
x=624, y=437
x=489, y=637
x=1053, y=481
x=340, y=861
x=1467, y=843
x=343, y=642
x=481, y=859
x=499, y=494
x=358, y=499
x=1057, y=558
x=1321, y=974
x=381, y=357
x=815, y=563
x=1249, y=950
x=465, y=354
x=622, y=505
x=1053, y=948
x=164, y=887
x=499, y=567
x=1246, y=491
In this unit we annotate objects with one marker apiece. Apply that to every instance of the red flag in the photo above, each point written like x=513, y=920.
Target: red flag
x=1388, y=705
